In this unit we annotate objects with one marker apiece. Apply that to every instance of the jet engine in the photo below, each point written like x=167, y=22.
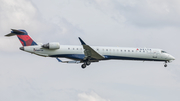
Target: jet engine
x=51, y=45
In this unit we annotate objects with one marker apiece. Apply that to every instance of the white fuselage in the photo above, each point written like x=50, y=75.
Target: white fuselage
x=86, y=54
x=77, y=53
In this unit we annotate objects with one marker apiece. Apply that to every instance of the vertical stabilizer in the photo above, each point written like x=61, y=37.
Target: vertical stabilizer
x=23, y=37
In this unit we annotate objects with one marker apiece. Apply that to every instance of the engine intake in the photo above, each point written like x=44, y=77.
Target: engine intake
x=51, y=45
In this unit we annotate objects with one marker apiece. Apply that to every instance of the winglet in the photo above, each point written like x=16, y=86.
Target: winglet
x=82, y=42
x=58, y=59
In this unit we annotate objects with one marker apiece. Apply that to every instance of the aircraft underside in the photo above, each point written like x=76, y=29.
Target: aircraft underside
x=107, y=57
x=79, y=58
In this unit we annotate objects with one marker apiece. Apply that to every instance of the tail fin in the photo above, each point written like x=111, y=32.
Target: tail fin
x=23, y=36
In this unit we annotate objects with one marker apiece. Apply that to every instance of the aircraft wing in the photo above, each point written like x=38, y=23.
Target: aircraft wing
x=89, y=52
x=68, y=61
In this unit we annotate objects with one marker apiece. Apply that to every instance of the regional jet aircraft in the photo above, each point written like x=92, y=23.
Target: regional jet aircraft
x=86, y=54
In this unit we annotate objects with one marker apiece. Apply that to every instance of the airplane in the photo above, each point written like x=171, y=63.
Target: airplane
x=86, y=54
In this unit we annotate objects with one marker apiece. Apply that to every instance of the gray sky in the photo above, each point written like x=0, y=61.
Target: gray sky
x=125, y=23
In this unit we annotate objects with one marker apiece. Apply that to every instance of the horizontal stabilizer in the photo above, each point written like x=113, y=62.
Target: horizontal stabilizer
x=15, y=32
x=10, y=34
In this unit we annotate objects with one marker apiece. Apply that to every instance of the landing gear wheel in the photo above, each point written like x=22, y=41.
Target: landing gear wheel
x=83, y=66
x=88, y=63
x=165, y=65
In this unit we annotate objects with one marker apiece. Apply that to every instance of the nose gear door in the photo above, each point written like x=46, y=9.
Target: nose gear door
x=155, y=55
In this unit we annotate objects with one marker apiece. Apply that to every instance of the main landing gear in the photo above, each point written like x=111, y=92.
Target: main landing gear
x=87, y=63
x=83, y=65
x=165, y=65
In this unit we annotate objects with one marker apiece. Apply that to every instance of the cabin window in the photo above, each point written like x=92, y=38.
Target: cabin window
x=128, y=50
x=124, y=50
x=73, y=48
x=163, y=52
x=132, y=51
x=68, y=48
x=77, y=48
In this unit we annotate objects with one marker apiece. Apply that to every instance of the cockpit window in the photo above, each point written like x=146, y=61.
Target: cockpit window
x=163, y=52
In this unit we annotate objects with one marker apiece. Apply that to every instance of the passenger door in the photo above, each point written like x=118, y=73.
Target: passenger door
x=155, y=55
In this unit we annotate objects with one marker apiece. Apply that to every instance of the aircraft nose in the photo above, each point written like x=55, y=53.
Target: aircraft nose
x=171, y=57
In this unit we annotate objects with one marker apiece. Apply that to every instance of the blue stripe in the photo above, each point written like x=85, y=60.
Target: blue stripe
x=33, y=43
x=71, y=56
x=107, y=57
x=129, y=58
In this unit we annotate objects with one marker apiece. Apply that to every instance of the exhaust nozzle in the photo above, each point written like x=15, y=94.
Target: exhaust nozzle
x=21, y=48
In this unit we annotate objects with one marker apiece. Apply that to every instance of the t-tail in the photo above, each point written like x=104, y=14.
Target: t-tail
x=23, y=37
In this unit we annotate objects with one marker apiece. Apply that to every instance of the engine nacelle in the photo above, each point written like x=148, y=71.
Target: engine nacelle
x=51, y=45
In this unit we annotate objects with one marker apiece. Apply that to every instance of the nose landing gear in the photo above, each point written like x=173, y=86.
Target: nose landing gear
x=165, y=65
